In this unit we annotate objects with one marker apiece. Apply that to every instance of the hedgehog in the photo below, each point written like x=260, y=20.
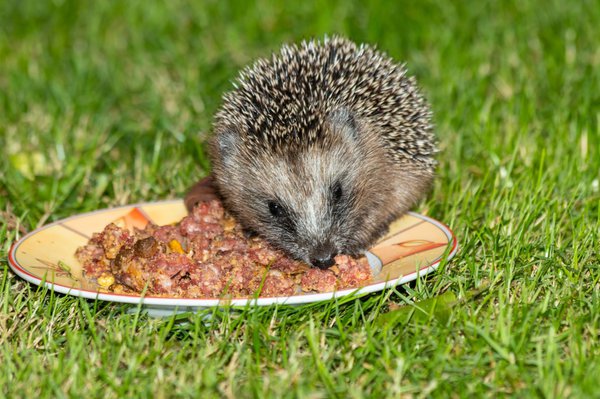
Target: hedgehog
x=320, y=147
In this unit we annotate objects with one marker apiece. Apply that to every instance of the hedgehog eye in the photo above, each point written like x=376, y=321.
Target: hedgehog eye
x=276, y=209
x=336, y=192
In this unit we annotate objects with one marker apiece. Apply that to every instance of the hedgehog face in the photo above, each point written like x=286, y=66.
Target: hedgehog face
x=335, y=195
x=308, y=214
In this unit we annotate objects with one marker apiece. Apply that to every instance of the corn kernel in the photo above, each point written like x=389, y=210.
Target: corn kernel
x=176, y=246
x=105, y=280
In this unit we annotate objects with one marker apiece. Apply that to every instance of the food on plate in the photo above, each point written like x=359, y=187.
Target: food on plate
x=206, y=255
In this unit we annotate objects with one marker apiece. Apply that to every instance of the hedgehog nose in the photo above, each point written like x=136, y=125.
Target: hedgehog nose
x=322, y=257
x=323, y=263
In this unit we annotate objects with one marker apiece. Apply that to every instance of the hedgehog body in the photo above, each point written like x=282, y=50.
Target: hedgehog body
x=319, y=148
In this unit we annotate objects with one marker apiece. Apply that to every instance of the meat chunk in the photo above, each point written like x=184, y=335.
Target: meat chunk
x=318, y=280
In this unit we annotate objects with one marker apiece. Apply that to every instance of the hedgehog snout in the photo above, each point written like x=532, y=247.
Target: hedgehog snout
x=322, y=255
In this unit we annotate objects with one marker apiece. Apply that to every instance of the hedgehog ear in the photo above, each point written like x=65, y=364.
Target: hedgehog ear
x=226, y=141
x=343, y=122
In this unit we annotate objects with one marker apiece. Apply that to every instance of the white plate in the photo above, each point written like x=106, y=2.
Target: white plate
x=414, y=246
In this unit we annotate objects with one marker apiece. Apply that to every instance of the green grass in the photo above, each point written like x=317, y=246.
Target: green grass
x=108, y=103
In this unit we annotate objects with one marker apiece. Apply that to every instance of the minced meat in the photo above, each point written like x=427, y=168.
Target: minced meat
x=206, y=255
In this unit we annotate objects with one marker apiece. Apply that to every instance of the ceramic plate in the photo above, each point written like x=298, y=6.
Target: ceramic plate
x=414, y=246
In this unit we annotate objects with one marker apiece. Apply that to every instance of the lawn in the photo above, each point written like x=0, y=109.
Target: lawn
x=108, y=103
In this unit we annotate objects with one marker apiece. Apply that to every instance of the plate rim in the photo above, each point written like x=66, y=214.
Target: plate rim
x=209, y=303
